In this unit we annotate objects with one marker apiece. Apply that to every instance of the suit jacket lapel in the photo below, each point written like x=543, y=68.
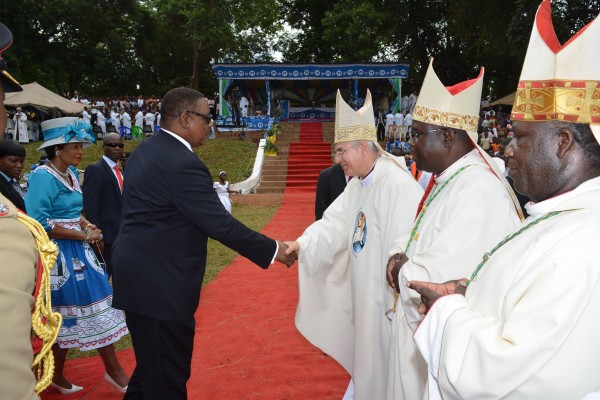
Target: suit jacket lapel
x=11, y=194
x=113, y=178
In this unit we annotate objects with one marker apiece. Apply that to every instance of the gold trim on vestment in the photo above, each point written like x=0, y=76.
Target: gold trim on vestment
x=447, y=119
x=572, y=101
x=355, y=132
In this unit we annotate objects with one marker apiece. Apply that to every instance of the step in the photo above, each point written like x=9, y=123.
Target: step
x=260, y=190
x=307, y=169
x=272, y=185
x=301, y=162
x=301, y=190
x=302, y=145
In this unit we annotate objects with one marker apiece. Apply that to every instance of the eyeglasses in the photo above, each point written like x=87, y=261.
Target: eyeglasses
x=340, y=152
x=414, y=135
x=205, y=117
x=113, y=145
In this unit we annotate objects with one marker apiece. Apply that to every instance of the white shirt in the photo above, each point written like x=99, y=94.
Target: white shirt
x=112, y=164
x=126, y=119
x=139, y=119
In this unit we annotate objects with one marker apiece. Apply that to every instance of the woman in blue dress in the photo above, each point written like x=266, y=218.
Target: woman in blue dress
x=79, y=286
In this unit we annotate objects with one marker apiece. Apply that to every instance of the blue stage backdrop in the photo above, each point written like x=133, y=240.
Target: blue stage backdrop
x=305, y=91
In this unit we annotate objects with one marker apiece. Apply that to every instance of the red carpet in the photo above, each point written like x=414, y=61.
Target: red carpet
x=307, y=158
x=246, y=345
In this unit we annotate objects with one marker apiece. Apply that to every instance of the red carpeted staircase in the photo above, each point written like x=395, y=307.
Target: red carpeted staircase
x=307, y=158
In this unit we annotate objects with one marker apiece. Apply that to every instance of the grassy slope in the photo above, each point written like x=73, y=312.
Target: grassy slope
x=234, y=156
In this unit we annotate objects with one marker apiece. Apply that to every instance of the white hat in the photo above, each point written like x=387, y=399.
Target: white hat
x=453, y=106
x=66, y=130
x=457, y=107
x=560, y=82
x=353, y=125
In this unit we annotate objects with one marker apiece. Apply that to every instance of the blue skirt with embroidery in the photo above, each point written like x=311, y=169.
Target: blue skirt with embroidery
x=82, y=294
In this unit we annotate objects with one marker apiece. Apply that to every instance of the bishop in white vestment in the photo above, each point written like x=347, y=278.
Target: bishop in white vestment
x=525, y=325
x=465, y=213
x=343, y=291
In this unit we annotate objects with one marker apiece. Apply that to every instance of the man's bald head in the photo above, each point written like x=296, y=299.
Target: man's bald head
x=112, y=146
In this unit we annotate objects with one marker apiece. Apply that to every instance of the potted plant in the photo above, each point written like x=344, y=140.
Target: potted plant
x=271, y=137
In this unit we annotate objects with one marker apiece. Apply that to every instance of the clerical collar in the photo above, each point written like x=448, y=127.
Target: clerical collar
x=367, y=181
x=536, y=210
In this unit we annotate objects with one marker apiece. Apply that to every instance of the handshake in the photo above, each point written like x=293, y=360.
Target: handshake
x=287, y=252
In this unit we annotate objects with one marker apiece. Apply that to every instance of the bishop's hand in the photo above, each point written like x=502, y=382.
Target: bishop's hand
x=430, y=292
x=393, y=269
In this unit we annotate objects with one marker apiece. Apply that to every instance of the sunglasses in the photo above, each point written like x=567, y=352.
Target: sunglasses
x=113, y=145
x=205, y=117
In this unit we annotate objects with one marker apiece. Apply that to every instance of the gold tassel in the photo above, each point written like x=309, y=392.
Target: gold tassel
x=44, y=322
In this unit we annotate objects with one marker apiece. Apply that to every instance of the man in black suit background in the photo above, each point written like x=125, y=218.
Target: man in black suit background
x=169, y=211
x=12, y=157
x=330, y=185
x=102, y=192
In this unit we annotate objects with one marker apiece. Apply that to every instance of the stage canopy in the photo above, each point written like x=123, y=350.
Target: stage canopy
x=299, y=88
x=507, y=100
x=35, y=95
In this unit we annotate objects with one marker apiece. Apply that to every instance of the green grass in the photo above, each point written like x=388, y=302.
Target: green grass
x=232, y=155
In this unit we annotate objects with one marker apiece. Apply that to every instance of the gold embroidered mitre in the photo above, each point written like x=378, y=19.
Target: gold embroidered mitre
x=453, y=107
x=354, y=125
x=560, y=82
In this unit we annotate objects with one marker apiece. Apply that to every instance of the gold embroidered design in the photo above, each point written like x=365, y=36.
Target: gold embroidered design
x=573, y=101
x=449, y=119
x=356, y=132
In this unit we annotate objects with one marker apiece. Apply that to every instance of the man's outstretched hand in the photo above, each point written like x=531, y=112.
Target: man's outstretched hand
x=393, y=269
x=430, y=292
x=284, y=255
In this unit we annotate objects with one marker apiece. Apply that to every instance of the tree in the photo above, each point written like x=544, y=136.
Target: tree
x=218, y=31
x=70, y=49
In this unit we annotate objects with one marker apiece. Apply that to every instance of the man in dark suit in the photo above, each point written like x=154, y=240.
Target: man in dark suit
x=12, y=157
x=102, y=187
x=330, y=185
x=169, y=211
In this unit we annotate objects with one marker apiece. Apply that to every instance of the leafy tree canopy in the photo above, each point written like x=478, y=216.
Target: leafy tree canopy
x=130, y=47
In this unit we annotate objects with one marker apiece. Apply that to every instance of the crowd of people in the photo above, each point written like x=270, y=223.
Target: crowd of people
x=438, y=291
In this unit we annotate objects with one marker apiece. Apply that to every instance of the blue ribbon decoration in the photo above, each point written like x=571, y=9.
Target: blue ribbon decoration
x=80, y=131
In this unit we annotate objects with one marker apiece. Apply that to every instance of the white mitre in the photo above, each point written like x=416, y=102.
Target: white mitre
x=453, y=106
x=457, y=107
x=353, y=125
x=560, y=82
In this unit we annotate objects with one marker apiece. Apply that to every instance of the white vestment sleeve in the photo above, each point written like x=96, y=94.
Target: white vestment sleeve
x=429, y=335
x=544, y=328
x=325, y=284
x=444, y=252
